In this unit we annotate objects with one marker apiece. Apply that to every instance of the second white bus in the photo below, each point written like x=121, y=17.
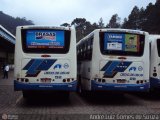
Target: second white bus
x=115, y=60
x=45, y=59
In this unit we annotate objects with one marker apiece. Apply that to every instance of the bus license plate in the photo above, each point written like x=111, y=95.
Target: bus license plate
x=45, y=81
x=121, y=81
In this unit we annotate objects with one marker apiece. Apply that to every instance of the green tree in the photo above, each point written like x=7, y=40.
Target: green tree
x=114, y=22
x=100, y=23
x=10, y=23
x=153, y=18
x=83, y=27
x=124, y=24
x=133, y=19
x=66, y=25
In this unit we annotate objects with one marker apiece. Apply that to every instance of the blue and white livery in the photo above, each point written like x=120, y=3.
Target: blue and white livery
x=45, y=59
x=114, y=59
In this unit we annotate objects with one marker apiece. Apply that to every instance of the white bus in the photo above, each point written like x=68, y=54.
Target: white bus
x=155, y=61
x=115, y=60
x=45, y=59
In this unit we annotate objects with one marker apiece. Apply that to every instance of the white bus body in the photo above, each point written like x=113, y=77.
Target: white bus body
x=110, y=60
x=45, y=58
x=155, y=61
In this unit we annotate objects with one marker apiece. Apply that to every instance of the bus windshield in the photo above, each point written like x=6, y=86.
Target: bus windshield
x=45, y=41
x=158, y=48
x=126, y=44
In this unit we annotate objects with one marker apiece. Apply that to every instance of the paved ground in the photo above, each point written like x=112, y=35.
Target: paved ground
x=47, y=106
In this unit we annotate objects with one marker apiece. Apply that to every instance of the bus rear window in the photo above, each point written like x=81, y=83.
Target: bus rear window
x=121, y=44
x=45, y=41
x=158, y=46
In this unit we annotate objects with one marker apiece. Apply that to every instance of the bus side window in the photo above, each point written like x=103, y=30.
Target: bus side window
x=88, y=48
x=78, y=53
x=83, y=51
x=150, y=50
x=81, y=55
x=91, y=48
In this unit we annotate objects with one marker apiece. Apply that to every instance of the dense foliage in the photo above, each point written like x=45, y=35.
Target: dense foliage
x=147, y=19
x=10, y=23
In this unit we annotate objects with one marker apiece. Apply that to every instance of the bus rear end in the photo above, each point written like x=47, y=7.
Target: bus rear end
x=45, y=59
x=155, y=62
x=123, y=61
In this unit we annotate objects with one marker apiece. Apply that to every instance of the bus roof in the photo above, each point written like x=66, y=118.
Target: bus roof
x=113, y=30
x=43, y=27
x=122, y=30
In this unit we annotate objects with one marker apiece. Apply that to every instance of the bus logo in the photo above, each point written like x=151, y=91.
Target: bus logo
x=66, y=66
x=140, y=68
x=57, y=66
x=132, y=69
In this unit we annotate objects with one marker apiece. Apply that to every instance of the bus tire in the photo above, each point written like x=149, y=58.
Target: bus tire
x=66, y=95
x=25, y=94
x=79, y=87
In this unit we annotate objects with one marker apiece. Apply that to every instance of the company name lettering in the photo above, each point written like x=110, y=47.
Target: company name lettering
x=56, y=73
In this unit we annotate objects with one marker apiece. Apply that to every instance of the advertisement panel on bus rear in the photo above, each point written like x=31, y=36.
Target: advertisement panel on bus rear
x=44, y=39
x=121, y=42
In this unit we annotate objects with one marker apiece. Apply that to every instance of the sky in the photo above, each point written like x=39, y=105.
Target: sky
x=57, y=12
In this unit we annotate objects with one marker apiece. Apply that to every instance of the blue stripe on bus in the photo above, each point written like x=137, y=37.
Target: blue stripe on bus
x=111, y=68
x=29, y=64
x=119, y=87
x=48, y=86
x=35, y=66
x=106, y=66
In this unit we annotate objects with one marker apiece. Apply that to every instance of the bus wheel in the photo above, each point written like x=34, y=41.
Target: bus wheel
x=25, y=94
x=79, y=89
x=66, y=95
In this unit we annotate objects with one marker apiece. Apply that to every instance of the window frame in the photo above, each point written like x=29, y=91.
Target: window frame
x=122, y=53
x=158, y=48
x=67, y=41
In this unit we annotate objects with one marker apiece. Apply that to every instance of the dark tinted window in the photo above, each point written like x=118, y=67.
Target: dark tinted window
x=84, y=50
x=121, y=44
x=45, y=41
x=158, y=46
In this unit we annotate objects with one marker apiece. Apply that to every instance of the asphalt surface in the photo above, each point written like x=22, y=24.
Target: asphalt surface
x=43, y=106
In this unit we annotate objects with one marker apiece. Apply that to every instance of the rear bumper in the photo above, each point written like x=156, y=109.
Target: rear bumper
x=119, y=87
x=154, y=82
x=39, y=86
